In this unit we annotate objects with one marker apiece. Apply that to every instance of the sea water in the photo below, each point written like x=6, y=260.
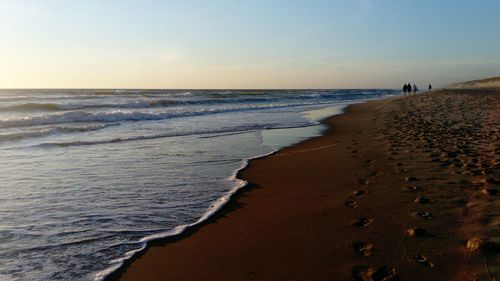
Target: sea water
x=88, y=177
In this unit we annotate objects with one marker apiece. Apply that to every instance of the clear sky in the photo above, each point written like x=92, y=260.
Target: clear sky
x=246, y=43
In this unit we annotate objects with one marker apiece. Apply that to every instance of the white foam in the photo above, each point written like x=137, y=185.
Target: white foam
x=202, y=134
x=52, y=130
x=120, y=115
x=214, y=208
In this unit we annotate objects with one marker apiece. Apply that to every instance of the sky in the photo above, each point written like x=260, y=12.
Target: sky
x=191, y=44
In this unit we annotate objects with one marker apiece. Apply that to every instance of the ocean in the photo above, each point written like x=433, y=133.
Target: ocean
x=88, y=177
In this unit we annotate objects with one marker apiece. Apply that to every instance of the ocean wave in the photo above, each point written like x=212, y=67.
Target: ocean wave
x=52, y=130
x=151, y=103
x=228, y=131
x=31, y=106
x=153, y=99
x=204, y=134
x=119, y=115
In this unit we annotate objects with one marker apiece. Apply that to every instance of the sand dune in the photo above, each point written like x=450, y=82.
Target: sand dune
x=493, y=82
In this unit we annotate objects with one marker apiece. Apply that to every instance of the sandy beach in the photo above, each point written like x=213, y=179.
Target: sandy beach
x=396, y=189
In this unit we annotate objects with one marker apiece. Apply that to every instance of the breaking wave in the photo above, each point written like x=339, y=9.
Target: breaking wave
x=52, y=130
x=150, y=103
x=118, y=115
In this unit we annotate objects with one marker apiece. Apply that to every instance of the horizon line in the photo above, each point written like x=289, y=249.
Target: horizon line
x=199, y=89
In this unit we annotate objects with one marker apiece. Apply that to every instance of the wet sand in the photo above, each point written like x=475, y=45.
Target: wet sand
x=398, y=189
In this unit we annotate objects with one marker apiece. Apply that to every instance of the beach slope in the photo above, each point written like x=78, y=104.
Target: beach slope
x=396, y=189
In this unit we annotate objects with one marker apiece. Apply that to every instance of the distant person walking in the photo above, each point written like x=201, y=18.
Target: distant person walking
x=430, y=87
x=405, y=89
x=415, y=89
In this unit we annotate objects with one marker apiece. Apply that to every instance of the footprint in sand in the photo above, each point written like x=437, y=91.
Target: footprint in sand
x=423, y=260
x=404, y=171
x=493, y=180
x=412, y=188
x=411, y=179
x=370, y=273
x=363, y=222
x=489, y=191
x=417, y=232
x=424, y=215
x=422, y=200
x=359, y=193
x=364, y=248
x=364, y=181
x=351, y=203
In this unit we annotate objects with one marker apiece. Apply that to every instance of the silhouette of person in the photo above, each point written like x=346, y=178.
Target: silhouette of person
x=405, y=89
x=430, y=87
x=415, y=89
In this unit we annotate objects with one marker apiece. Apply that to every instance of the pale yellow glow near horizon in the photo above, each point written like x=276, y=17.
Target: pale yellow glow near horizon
x=154, y=75
x=174, y=70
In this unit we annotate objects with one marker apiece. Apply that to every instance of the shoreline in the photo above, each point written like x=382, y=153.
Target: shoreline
x=178, y=232
x=211, y=216
x=342, y=260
